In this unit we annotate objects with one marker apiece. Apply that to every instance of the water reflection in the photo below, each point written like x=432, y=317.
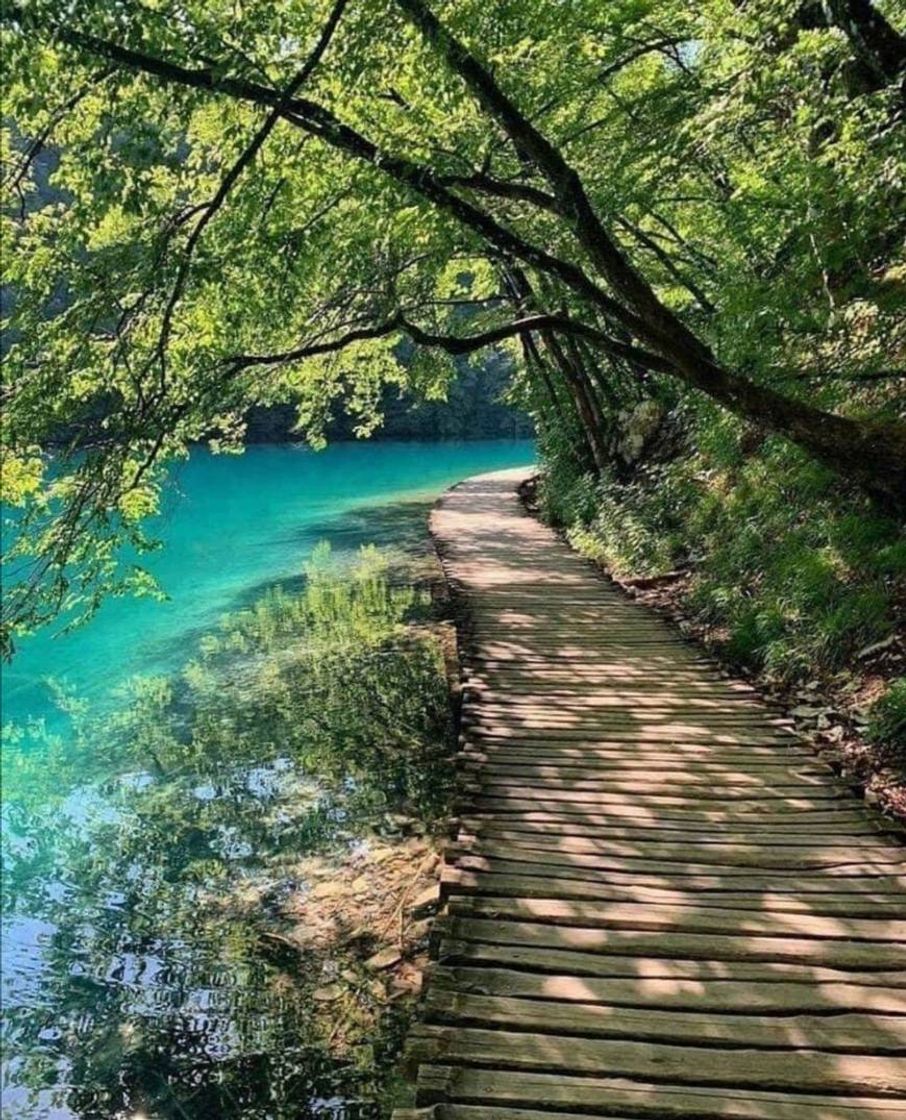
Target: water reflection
x=153, y=858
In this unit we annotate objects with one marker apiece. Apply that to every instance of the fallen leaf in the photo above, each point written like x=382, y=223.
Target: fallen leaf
x=327, y=994
x=386, y=958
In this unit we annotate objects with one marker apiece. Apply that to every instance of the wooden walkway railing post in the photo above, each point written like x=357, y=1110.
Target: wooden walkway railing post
x=659, y=903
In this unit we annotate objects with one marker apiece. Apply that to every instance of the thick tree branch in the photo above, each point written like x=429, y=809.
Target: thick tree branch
x=502, y=188
x=452, y=344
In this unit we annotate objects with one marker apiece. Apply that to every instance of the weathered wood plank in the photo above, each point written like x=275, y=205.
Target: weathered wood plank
x=692, y=832
x=729, y=854
x=729, y=1109
x=634, y=746
x=550, y=818
x=466, y=881
x=803, y=1071
x=640, y=776
x=566, y=787
x=831, y=953
x=705, y=882
x=802, y=996
x=669, y=765
x=846, y=1033
x=660, y=903
x=630, y=733
x=605, y=1096
x=686, y=918
x=545, y=960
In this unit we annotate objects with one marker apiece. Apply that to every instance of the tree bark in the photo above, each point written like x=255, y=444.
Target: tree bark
x=582, y=393
x=576, y=383
x=876, y=43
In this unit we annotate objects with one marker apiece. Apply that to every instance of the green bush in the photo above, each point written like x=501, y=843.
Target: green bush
x=793, y=574
x=887, y=722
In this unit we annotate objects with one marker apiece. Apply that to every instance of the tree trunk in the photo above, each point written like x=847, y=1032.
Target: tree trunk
x=574, y=379
x=876, y=44
x=583, y=395
x=873, y=454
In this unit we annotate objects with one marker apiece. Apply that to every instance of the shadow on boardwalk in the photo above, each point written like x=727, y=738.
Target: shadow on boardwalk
x=659, y=904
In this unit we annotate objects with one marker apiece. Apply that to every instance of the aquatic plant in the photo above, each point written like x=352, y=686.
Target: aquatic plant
x=306, y=723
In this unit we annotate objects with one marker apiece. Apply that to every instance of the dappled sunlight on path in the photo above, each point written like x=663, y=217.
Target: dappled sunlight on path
x=659, y=903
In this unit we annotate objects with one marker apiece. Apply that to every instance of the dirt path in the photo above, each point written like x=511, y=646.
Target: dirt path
x=658, y=904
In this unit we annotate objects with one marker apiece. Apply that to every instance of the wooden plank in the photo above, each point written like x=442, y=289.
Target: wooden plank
x=728, y=1109
x=457, y=881
x=664, y=766
x=546, y=819
x=803, y=1071
x=694, y=832
x=604, y=708
x=545, y=960
x=847, y=1033
x=629, y=732
x=639, y=775
x=661, y=792
x=633, y=746
x=593, y=702
x=498, y=809
x=679, y=917
x=498, y=798
x=829, y=953
x=708, y=880
x=678, y=993
x=590, y=694
x=673, y=831
x=662, y=723
x=650, y=1101
x=627, y=747
x=726, y=854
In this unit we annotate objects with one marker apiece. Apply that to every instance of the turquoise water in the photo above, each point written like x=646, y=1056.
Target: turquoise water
x=125, y=993
x=233, y=525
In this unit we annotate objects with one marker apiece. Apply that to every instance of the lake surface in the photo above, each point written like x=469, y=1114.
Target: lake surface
x=233, y=525
x=106, y=1006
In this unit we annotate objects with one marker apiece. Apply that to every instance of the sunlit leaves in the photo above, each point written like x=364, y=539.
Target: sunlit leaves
x=757, y=180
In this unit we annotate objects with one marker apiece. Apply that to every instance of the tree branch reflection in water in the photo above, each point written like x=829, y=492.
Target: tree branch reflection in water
x=146, y=853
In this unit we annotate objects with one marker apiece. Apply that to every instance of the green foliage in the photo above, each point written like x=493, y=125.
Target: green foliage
x=791, y=576
x=153, y=844
x=887, y=723
x=746, y=158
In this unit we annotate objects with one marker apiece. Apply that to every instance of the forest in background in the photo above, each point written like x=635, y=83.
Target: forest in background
x=682, y=228
x=474, y=406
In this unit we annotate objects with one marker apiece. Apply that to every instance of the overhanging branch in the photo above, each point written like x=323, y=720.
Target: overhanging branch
x=453, y=344
x=321, y=122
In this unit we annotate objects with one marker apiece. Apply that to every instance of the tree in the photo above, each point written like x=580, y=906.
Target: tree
x=262, y=204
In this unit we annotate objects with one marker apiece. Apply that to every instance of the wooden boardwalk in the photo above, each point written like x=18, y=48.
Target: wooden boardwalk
x=658, y=904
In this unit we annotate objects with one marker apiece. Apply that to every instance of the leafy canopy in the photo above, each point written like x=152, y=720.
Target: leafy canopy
x=192, y=231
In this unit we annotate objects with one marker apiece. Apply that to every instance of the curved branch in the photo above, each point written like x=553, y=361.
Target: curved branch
x=502, y=188
x=453, y=344
x=232, y=176
x=321, y=122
